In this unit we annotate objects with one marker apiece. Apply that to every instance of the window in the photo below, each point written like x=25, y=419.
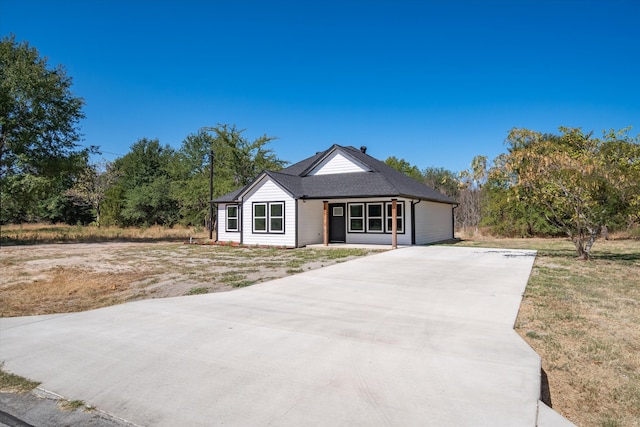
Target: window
x=260, y=218
x=374, y=217
x=356, y=217
x=399, y=217
x=232, y=217
x=268, y=217
x=276, y=217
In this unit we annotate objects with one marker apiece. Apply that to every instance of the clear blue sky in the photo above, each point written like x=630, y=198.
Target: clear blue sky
x=433, y=82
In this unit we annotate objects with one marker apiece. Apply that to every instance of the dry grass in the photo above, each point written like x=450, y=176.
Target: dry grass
x=61, y=278
x=67, y=290
x=28, y=234
x=583, y=319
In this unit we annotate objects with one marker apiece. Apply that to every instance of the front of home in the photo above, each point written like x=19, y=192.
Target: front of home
x=341, y=195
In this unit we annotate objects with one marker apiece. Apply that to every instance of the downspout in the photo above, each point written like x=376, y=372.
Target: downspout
x=297, y=221
x=453, y=221
x=241, y=220
x=413, y=221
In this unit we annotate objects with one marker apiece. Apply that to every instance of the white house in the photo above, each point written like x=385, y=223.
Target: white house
x=341, y=195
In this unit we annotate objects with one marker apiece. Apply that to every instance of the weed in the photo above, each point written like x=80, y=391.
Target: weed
x=607, y=421
x=242, y=283
x=72, y=405
x=198, y=291
x=11, y=383
x=232, y=276
x=533, y=335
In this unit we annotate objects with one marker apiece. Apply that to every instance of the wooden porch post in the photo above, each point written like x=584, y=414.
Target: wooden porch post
x=325, y=223
x=394, y=223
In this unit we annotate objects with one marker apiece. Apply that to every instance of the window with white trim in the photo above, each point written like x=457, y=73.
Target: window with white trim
x=259, y=217
x=232, y=218
x=375, y=217
x=356, y=218
x=268, y=217
x=399, y=217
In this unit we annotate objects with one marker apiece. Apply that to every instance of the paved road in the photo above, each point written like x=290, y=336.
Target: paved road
x=416, y=336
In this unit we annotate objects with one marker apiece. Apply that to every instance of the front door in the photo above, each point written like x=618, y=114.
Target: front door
x=337, y=223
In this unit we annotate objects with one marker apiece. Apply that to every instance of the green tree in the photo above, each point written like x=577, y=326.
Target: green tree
x=190, y=170
x=142, y=194
x=39, y=130
x=237, y=161
x=507, y=214
x=442, y=180
x=620, y=153
x=405, y=167
x=576, y=181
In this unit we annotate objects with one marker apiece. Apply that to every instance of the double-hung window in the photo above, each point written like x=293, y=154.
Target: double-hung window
x=276, y=217
x=356, y=218
x=232, y=218
x=374, y=217
x=399, y=217
x=259, y=217
x=268, y=217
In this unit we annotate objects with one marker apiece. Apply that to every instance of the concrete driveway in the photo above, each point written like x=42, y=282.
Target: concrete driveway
x=417, y=336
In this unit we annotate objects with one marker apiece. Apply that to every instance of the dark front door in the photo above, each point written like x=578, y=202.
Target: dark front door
x=337, y=223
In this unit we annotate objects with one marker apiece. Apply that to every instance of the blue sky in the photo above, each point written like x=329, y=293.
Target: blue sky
x=433, y=82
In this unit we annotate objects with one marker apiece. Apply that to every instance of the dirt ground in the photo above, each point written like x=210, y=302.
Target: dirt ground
x=56, y=278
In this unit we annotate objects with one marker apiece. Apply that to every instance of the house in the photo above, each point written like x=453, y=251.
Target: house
x=341, y=195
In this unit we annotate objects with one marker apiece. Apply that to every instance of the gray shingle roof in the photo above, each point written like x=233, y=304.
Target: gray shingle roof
x=382, y=181
x=229, y=197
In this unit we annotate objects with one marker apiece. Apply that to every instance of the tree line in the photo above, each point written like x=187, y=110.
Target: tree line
x=570, y=183
x=46, y=176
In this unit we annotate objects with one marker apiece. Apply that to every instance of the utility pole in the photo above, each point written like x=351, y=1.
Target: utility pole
x=211, y=195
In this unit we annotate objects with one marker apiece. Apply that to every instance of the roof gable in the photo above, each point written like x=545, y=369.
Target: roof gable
x=336, y=161
x=287, y=183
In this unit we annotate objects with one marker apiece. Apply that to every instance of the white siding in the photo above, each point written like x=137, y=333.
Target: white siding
x=269, y=191
x=310, y=222
x=338, y=163
x=223, y=235
x=377, y=239
x=433, y=222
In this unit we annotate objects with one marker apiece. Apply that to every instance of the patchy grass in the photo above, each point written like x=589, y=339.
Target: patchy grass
x=11, y=383
x=47, y=279
x=583, y=319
